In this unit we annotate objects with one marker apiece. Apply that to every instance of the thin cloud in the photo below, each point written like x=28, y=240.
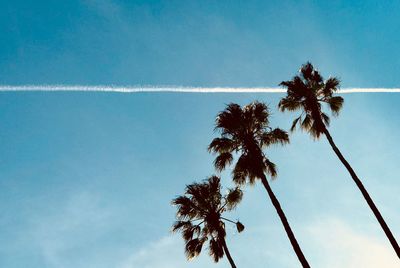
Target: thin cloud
x=337, y=244
x=178, y=89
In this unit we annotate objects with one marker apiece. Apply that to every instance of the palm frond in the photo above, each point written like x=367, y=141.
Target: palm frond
x=239, y=177
x=186, y=208
x=306, y=70
x=293, y=127
x=233, y=198
x=289, y=104
x=222, y=160
x=193, y=248
x=270, y=168
x=317, y=128
x=241, y=170
x=251, y=165
x=257, y=112
x=307, y=122
x=200, y=216
x=213, y=190
x=178, y=225
x=325, y=118
x=311, y=75
x=331, y=85
x=197, y=193
x=229, y=120
x=187, y=233
x=196, y=230
x=221, y=145
x=215, y=249
x=306, y=92
x=275, y=136
x=335, y=104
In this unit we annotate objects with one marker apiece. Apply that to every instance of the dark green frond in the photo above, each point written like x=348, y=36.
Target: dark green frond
x=233, y=198
x=239, y=226
x=222, y=160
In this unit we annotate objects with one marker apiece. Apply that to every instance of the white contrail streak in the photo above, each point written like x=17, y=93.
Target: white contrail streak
x=137, y=89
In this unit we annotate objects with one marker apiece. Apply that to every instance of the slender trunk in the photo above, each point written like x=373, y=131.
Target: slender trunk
x=227, y=253
x=285, y=223
x=365, y=194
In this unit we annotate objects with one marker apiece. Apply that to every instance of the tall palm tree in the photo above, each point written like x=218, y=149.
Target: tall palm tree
x=199, y=217
x=307, y=92
x=246, y=131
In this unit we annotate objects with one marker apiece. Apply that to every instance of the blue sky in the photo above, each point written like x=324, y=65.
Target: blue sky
x=249, y=43
x=86, y=178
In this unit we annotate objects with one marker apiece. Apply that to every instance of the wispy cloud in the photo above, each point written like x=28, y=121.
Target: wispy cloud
x=75, y=228
x=332, y=242
x=167, y=252
x=136, y=89
x=338, y=244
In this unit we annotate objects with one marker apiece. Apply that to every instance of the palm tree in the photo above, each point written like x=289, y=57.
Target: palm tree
x=199, y=217
x=246, y=131
x=306, y=92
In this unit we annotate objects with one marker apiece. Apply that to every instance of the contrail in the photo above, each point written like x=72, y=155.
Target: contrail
x=138, y=89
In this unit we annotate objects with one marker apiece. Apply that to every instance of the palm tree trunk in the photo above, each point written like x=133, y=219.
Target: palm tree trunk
x=365, y=194
x=285, y=223
x=227, y=253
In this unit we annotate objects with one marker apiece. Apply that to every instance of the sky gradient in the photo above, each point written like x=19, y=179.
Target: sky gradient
x=86, y=178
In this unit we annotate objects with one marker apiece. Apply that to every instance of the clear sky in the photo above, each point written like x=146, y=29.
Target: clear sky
x=86, y=179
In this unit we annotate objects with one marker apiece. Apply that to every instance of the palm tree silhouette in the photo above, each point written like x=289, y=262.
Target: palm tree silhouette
x=199, y=217
x=246, y=131
x=306, y=92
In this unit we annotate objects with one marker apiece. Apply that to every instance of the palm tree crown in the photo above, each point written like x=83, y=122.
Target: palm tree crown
x=199, y=217
x=306, y=92
x=246, y=131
